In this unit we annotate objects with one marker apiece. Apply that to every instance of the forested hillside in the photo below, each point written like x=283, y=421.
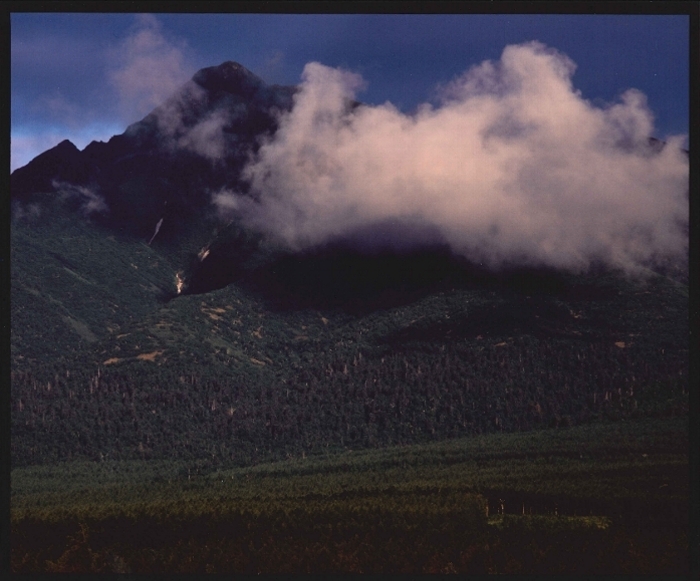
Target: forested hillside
x=108, y=361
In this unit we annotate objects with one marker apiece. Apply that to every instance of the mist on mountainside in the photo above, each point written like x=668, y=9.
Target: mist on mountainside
x=513, y=167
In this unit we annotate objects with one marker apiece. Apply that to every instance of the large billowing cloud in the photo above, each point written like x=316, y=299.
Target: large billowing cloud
x=512, y=166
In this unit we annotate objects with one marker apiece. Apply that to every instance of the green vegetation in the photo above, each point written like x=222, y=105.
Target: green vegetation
x=306, y=419
x=613, y=490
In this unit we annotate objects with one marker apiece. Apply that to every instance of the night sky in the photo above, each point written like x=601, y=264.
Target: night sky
x=86, y=77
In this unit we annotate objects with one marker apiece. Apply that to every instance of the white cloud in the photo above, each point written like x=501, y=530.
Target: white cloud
x=514, y=165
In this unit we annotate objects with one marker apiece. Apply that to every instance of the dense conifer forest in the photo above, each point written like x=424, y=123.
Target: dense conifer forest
x=103, y=366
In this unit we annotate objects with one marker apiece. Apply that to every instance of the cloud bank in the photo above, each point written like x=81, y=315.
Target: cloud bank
x=513, y=166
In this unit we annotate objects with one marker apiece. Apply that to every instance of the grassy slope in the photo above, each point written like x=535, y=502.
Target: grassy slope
x=402, y=509
x=643, y=461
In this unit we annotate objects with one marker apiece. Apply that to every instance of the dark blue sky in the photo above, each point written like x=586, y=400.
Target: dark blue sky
x=87, y=76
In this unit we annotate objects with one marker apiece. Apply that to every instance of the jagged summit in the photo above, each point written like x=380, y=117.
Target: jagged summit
x=67, y=145
x=60, y=163
x=229, y=77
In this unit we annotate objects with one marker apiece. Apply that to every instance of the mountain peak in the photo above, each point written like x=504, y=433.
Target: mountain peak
x=67, y=144
x=230, y=77
x=229, y=67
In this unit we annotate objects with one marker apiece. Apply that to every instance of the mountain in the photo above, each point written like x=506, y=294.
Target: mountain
x=145, y=327
x=168, y=163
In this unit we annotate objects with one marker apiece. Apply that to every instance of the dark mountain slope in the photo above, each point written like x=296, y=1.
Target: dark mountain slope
x=63, y=163
x=168, y=164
